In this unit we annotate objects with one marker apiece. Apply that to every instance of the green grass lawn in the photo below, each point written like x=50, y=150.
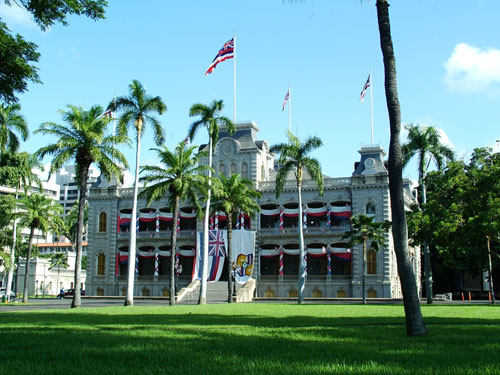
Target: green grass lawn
x=250, y=339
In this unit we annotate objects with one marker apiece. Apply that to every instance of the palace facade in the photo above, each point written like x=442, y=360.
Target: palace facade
x=333, y=269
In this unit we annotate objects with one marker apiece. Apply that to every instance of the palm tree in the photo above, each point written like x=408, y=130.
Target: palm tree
x=210, y=118
x=39, y=212
x=415, y=325
x=11, y=121
x=294, y=158
x=136, y=109
x=424, y=142
x=84, y=139
x=17, y=170
x=71, y=223
x=364, y=230
x=59, y=260
x=180, y=177
x=232, y=194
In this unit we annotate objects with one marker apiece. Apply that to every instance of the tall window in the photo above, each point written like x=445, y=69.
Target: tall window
x=233, y=168
x=371, y=262
x=102, y=222
x=222, y=169
x=244, y=170
x=101, y=264
x=370, y=209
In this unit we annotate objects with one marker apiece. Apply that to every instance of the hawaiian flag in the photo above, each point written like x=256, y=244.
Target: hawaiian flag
x=215, y=263
x=365, y=87
x=108, y=114
x=216, y=243
x=287, y=96
x=225, y=53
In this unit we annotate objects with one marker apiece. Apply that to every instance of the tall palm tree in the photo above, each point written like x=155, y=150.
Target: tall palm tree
x=424, y=142
x=58, y=260
x=16, y=169
x=137, y=109
x=179, y=177
x=211, y=119
x=11, y=122
x=415, y=325
x=232, y=194
x=84, y=139
x=294, y=157
x=39, y=212
x=363, y=230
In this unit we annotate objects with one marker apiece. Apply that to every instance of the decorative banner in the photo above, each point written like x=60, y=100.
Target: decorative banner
x=217, y=245
x=328, y=219
x=136, y=264
x=281, y=263
x=341, y=212
x=243, y=242
x=305, y=262
x=242, y=218
x=281, y=220
x=216, y=223
x=211, y=223
x=156, y=262
x=304, y=218
x=238, y=220
x=157, y=223
x=329, y=263
x=178, y=224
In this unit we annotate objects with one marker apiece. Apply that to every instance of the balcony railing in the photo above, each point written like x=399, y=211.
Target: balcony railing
x=310, y=230
x=161, y=234
x=292, y=184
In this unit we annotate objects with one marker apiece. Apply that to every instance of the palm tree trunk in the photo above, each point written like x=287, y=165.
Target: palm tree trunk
x=427, y=255
x=17, y=272
x=415, y=325
x=10, y=275
x=129, y=299
x=173, y=246
x=229, y=263
x=28, y=258
x=490, y=272
x=77, y=300
x=203, y=289
x=363, y=288
x=302, y=261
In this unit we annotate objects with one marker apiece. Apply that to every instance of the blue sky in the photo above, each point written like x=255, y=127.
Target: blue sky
x=447, y=56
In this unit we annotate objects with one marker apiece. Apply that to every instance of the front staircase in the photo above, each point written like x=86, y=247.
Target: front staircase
x=216, y=293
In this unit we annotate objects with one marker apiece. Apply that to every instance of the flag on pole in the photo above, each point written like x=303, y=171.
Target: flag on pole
x=108, y=114
x=287, y=96
x=225, y=53
x=186, y=141
x=365, y=87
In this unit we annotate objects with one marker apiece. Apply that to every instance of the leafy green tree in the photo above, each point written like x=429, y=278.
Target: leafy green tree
x=179, y=177
x=83, y=138
x=58, y=260
x=11, y=122
x=233, y=194
x=210, y=118
x=39, y=213
x=364, y=230
x=424, y=143
x=19, y=56
x=16, y=170
x=137, y=110
x=294, y=158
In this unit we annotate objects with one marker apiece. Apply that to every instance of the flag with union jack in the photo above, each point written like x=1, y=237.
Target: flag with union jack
x=217, y=240
x=216, y=243
x=225, y=53
x=365, y=87
x=287, y=96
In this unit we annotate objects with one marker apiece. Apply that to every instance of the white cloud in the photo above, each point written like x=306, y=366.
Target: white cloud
x=472, y=69
x=16, y=15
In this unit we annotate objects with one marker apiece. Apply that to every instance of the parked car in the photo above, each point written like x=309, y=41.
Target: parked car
x=71, y=292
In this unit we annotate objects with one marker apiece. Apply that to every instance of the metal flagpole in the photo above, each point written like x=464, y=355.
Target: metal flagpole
x=234, y=88
x=371, y=99
x=114, y=116
x=289, y=109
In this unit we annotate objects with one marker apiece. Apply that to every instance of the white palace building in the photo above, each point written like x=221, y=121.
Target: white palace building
x=333, y=270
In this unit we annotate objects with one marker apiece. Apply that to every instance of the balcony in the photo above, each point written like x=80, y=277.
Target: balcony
x=164, y=234
x=335, y=230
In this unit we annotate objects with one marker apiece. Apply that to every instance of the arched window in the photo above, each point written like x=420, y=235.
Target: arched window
x=371, y=262
x=372, y=293
x=222, y=169
x=371, y=209
x=101, y=264
x=244, y=170
x=233, y=168
x=102, y=222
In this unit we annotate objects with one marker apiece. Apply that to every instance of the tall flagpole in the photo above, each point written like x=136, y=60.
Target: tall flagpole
x=371, y=99
x=234, y=88
x=289, y=109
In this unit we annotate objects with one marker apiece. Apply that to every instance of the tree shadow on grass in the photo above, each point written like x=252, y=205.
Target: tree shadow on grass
x=99, y=343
